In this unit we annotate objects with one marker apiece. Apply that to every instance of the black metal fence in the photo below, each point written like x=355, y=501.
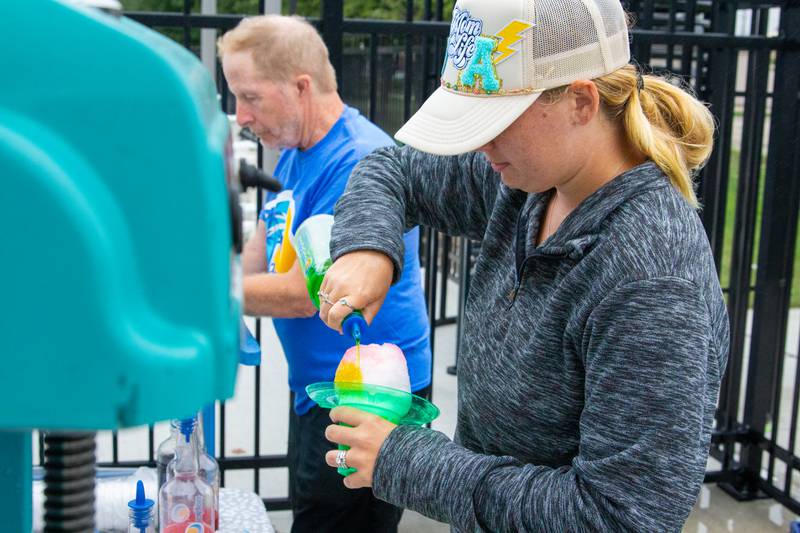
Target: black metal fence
x=741, y=57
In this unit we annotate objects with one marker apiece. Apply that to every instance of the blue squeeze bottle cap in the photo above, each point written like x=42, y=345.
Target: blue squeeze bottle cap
x=354, y=325
x=141, y=507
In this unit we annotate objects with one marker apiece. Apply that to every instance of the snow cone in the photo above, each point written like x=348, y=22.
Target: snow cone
x=374, y=378
x=383, y=365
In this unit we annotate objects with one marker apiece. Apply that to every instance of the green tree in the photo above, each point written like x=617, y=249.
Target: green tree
x=368, y=9
x=236, y=7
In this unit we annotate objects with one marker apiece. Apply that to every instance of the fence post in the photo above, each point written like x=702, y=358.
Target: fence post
x=776, y=252
x=719, y=90
x=713, y=192
x=332, y=20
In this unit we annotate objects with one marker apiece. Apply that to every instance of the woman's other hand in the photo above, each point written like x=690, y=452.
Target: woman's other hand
x=362, y=279
x=365, y=438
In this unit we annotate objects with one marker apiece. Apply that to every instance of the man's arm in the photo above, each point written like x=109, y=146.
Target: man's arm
x=275, y=295
x=278, y=295
x=254, y=254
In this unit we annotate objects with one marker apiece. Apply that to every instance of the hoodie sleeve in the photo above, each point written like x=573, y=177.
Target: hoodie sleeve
x=394, y=189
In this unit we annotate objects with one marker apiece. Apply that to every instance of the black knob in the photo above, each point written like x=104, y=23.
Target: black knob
x=252, y=176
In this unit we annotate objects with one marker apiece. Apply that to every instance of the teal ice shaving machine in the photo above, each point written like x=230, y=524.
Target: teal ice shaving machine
x=121, y=230
x=119, y=281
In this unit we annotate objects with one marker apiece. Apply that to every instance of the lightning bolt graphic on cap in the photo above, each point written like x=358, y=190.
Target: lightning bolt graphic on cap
x=509, y=36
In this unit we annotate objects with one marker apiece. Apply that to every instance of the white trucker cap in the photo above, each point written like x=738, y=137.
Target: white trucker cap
x=502, y=54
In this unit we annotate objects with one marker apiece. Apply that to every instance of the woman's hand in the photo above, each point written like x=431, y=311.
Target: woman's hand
x=365, y=438
x=362, y=279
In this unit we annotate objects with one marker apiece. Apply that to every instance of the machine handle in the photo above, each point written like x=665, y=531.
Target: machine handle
x=252, y=176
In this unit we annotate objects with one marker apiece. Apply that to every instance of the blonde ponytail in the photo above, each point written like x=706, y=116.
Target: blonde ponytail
x=664, y=122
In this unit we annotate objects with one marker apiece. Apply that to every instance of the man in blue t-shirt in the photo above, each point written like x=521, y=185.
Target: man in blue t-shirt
x=285, y=88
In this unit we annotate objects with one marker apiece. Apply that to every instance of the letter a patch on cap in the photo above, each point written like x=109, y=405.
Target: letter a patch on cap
x=481, y=73
x=476, y=57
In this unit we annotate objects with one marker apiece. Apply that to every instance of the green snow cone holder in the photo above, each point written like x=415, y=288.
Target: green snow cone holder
x=396, y=406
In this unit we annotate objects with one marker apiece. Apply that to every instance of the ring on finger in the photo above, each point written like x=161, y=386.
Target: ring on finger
x=343, y=301
x=341, y=460
x=324, y=297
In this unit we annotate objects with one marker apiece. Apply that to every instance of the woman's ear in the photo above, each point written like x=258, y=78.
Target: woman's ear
x=585, y=101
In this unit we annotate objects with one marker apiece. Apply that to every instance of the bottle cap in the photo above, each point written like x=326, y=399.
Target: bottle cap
x=354, y=325
x=140, y=507
x=186, y=426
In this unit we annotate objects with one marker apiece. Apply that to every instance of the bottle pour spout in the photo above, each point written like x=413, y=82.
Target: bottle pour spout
x=354, y=325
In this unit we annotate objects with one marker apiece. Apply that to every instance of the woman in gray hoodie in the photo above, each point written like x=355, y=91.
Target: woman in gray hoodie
x=595, y=333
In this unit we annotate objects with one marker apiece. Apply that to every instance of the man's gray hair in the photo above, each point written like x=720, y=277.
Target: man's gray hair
x=282, y=47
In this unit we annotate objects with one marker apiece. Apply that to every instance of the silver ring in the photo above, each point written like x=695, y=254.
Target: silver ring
x=344, y=303
x=324, y=297
x=340, y=459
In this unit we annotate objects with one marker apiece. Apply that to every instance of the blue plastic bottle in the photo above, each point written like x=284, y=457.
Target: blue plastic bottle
x=186, y=502
x=141, y=518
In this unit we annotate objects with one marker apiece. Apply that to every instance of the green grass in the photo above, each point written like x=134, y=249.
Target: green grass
x=730, y=218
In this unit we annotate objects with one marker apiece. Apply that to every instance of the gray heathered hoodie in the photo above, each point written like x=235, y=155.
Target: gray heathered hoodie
x=590, y=367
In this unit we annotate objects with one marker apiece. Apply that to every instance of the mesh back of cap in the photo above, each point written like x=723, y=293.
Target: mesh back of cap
x=574, y=39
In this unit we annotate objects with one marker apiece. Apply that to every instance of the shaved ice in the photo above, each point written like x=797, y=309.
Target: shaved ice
x=377, y=364
x=381, y=364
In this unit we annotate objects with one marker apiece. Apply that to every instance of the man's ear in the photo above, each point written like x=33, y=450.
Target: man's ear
x=585, y=101
x=303, y=84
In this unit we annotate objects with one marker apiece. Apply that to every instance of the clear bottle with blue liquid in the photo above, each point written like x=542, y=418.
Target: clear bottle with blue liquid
x=186, y=501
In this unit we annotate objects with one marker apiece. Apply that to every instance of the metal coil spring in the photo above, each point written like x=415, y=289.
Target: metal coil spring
x=69, y=472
